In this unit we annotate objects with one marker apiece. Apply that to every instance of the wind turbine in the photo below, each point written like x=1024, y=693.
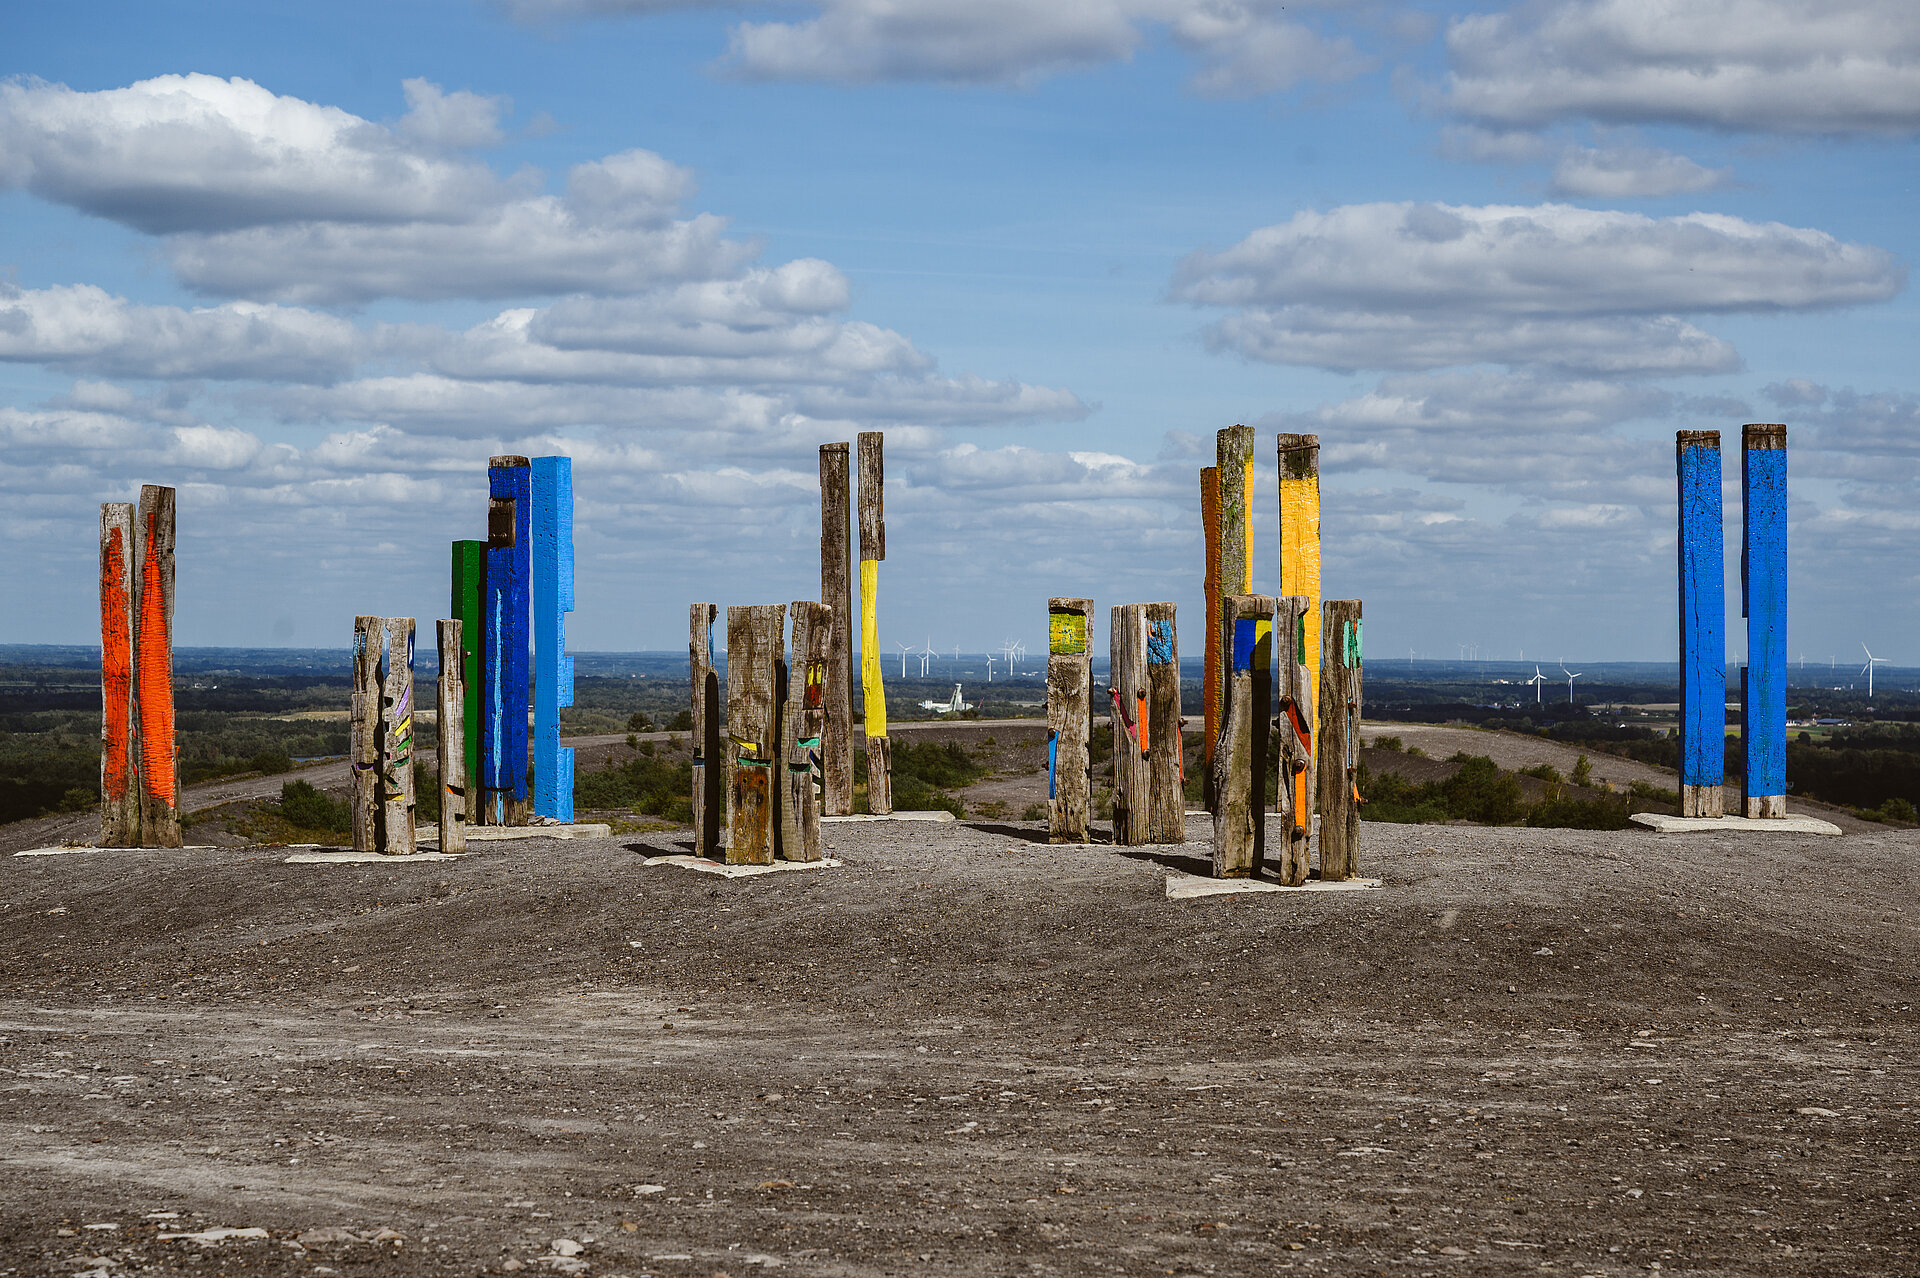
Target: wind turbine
x=1537, y=680
x=989, y=667
x=1867, y=669
x=1020, y=649
x=926, y=657
x=1571, y=676
x=904, y=650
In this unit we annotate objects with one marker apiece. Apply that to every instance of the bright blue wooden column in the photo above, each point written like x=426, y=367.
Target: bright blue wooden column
x=553, y=667
x=503, y=705
x=1703, y=608
x=1763, y=572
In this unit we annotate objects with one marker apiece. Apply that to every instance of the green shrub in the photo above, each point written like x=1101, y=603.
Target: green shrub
x=1544, y=771
x=1582, y=771
x=306, y=808
x=1034, y=812
x=271, y=763
x=649, y=784
x=1390, y=743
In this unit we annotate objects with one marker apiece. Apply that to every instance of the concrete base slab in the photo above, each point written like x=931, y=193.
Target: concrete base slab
x=937, y=815
x=347, y=856
x=1664, y=824
x=70, y=851
x=726, y=871
x=488, y=833
x=1181, y=887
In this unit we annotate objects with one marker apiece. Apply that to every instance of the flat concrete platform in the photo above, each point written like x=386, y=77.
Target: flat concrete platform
x=487, y=833
x=347, y=856
x=938, y=814
x=725, y=871
x=1663, y=824
x=70, y=850
x=1182, y=887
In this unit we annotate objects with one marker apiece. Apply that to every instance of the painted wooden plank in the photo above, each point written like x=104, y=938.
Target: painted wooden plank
x=503, y=719
x=396, y=750
x=1209, y=650
x=1240, y=756
x=873, y=549
x=836, y=592
x=468, y=578
x=1763, y=700
x=552, y=599
x=1339, y=753
x=754, y=635
x=364, y=743
x=450, y=746
x=1128, y=704
x=1294, y=682
x=153, y=668
x=1234, y=453
x=1703, y=652
x=1069, y=689
x=709, y=760
x=1166, y=751
x=1299, y=457
x=802, y=722
x=119, y=746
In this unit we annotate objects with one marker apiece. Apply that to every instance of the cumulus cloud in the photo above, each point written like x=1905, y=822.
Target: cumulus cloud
x=1630, y=172
x=459, y=119
x=1788, y=66
x=1374, y=285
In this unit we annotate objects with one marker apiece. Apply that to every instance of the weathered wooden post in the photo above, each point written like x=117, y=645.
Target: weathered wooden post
x=153, y=669
x=119, y=757
x=809, y=685
x=1166, y=751
x=1763, y=699
x=754, y=637
x=468, y=593
x=364, y=741
x=1069, y=689
x=1234, y=450
x=1703, y=654
x=1210, y=650
x=1300, y=578
x=1240, y=758
x=836, y=592
x=451, y=743
x=709, y=763
x=503, y=721
x=873, y=549
x=396, y=736
x=1294, y=680
x=1339, y=739
x=552, y=599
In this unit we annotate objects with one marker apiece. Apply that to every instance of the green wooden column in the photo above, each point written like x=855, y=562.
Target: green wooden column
x=469, y=566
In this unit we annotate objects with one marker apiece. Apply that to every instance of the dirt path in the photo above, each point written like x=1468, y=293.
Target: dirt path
x=963, y=1052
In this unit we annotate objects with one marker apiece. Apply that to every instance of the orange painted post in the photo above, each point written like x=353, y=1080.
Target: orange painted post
x=153, y=669
x=119, y=762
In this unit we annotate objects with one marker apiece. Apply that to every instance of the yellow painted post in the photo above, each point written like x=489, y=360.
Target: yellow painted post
x=1300, y=572
x=873, y=548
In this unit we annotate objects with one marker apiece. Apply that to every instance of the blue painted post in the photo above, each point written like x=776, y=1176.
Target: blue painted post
x=553, y=667
x=1763, y=572
x=503, y=708
x=1703, y=607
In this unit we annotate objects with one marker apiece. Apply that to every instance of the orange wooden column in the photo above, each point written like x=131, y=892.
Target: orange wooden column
x=153, y=669
x=119, y=761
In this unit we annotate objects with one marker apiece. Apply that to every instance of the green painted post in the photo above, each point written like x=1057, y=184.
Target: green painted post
x=469, y=566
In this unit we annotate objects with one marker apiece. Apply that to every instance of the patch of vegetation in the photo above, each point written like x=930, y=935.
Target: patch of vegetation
x=649, y=784
x=1480, y=792
x=1394, y=744
x=305, y=808
x=1034, y=812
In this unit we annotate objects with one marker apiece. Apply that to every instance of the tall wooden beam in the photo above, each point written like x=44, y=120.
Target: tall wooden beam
x=754, y=641
x=802, y=722
x=552, y=524
x=119, y=748
x=1339, y=798
x=467, y=602
x=1240, y=757
x=1166, y=751
x=1130, y=703
x=364, y=742
x=1763, y=699
x=503, y=720
x=153, y=669
x=1069, y=688
x=873, y=549
x=1300, y=577
x=1294, y=681
x=1209, y=649
x=396, y=751
x=709, y=760
x=836, y=592
x=1234, y=454
x=1703, y=651
x=450, y=746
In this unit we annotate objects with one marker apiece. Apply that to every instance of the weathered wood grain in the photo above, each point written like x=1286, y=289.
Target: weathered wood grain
x=1299, y=458
x=552, y=599
x=364, y=741
x=503, y=747
x=836, y=592
x=153, y=669
x=1703, y=655
x=809, y=685
x=1166, y=751
x=119, y=747
x=1339, y=739
x=1240, y=758
x=754, y=643
x=1209, y=648
x=1763, y=692
x=709, y=757
x=451, y=738
x=1128, y=704
x=396, y=753
x=1294, y=680
x=469, y=570
x=873, y=549
x=1069, y=688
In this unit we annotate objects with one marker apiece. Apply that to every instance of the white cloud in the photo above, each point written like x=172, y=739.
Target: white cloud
x=1630, y=172
x=1377, y=285
x=1789, y=66
x=459, y=119
x=1248, y=50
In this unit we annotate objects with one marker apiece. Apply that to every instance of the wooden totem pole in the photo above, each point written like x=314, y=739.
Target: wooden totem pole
x=469, y=594
x=1069, y=691
x=552, y=569
x=451, y=744
x=873, y=549
x=1149, y=804
x=754, y=649
x=1340, y=739
x=809, y=687
x=503, y=720
x=836, y=592
x=709, y=762
x=1240, y=757
x=1763, y=586
x=1703, y=654
x=1295, y=681
x=1300, y=578
x=119, y=738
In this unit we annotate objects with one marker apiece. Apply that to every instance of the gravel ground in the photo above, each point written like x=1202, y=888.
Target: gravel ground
x=966, y=1052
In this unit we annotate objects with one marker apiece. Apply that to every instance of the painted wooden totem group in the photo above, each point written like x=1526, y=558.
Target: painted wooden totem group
x=1258, y=648
x=139, y=753
x=784, y=756
x=1703, y=656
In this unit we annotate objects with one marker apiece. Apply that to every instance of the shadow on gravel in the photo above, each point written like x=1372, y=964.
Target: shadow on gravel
x=1025, y=834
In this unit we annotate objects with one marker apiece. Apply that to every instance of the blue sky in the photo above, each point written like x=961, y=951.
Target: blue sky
x=312, y=266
